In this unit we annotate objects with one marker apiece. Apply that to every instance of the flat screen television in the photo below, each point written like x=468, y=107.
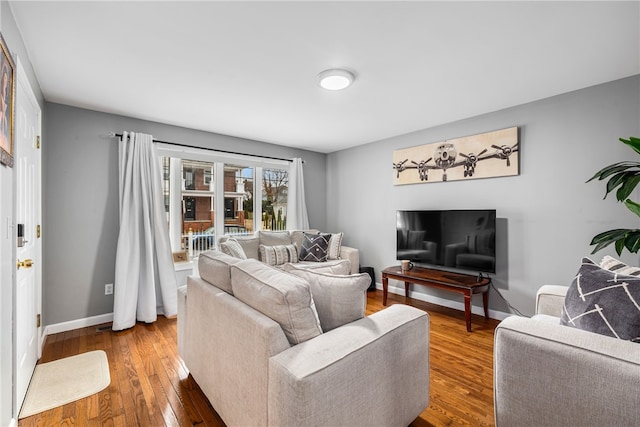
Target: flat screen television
x=456, y=239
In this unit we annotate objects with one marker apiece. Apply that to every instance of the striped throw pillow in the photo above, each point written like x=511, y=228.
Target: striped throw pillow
x=617, y=266
x=278, y=254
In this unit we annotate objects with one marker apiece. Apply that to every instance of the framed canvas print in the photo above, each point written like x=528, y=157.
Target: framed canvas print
x=485, y=155
x=7, y=100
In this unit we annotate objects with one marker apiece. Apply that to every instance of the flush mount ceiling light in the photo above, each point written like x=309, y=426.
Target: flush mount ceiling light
x=335, y=79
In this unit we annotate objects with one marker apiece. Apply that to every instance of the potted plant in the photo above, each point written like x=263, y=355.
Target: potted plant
x=624, y=176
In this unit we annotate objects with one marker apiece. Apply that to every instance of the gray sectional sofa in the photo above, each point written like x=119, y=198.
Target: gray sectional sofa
x=292, y=347
x=251, y=246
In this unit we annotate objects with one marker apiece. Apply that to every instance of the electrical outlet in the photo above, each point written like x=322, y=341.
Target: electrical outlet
x=108, y=289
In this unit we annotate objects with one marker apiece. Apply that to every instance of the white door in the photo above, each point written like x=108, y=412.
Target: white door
x=28, y=220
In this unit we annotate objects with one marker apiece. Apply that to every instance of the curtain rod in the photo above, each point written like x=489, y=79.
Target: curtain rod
x=119, y=135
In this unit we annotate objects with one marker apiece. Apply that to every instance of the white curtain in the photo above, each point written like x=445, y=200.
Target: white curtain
x=297, y=218
x=145, y=281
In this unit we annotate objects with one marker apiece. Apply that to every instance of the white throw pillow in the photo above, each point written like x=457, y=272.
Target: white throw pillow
x=335, y=244
x=339, y=299
x=283, y=297
x=617, y=266
x=233, y=248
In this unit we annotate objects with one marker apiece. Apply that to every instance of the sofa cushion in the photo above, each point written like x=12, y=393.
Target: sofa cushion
x=232, y=247
x=273, y=238
x=603, y=302
x=618, y=266
x=281, y=296
x=278, y=254
x=314, y=247
x=335, y=243
x=339, y=299
x=214, y=267
x=336, y=266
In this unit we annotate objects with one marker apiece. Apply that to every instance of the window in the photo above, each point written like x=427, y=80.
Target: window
x=275, y=185
x=193, y=194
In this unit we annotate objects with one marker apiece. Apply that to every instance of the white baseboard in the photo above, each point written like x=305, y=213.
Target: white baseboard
x=399, y=290
x=77, y=324
x=13, y=423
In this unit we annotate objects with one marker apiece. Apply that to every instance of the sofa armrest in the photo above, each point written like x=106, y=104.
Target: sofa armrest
x=553, y=375
x=550, y=300
x=353, y=255
x=382, y=361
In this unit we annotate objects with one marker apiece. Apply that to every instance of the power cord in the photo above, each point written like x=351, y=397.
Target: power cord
x=515, y=310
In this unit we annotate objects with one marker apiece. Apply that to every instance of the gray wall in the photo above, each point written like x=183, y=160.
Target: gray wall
x=81, y=201
x=546, y=216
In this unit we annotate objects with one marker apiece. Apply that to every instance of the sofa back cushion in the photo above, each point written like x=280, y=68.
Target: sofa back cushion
x=281, y=296
x=274, y=238
x=339, y=299
x=214, y=267
x=337, y=266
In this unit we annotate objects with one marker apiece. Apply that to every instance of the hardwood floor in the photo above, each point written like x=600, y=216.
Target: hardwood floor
x=150, y=386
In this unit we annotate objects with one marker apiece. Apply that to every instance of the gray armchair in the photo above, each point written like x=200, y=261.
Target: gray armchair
x=546, y=374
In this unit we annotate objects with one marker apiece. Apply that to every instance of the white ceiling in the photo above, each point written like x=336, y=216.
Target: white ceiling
x=248, y=69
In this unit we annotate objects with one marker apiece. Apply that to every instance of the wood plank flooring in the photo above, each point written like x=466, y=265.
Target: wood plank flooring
x=150, y=385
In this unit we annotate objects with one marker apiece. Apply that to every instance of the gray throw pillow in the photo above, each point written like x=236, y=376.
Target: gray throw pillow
x=604, y=302
x=314, y=247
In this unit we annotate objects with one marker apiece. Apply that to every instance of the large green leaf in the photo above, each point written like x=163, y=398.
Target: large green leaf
x=613, y=169
x=630, y=181
x=611, y=235
x=625, y=177
x=632, y=206
x=632, y=241
x=632, y=142
x=623, y=239
x=615, y=181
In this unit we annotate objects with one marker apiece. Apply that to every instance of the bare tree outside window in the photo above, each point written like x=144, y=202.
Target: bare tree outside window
x=275, y=186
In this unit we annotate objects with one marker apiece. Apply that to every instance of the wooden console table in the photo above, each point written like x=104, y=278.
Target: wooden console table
x=455, y=282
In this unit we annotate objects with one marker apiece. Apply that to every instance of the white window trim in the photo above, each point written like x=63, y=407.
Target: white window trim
x=219, y=160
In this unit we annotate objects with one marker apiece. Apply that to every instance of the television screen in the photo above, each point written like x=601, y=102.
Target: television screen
x=459, y=239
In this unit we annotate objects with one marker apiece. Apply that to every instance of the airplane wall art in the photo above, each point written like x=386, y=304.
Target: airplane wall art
x=485, y=155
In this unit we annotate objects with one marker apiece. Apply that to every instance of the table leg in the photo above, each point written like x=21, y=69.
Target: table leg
x=406, y=289
x=385, y=285
x=485, y=303
x=467, y=310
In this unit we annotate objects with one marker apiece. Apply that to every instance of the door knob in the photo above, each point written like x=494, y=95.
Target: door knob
x=27, y=263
